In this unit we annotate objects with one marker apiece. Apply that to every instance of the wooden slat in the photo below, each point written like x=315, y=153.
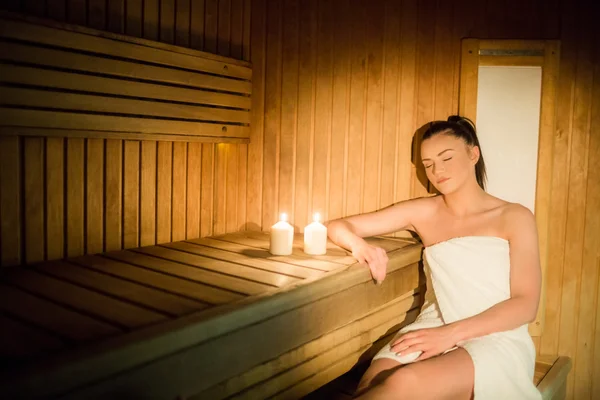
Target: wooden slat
x=192, y=255
x=163, y=192
x=188, y=272
x=242, y=184
x=220, y=189
x=158, y=280
x=116, y=14
x=231, y=191
x=83, y=102
x=197, y=24
x=34, y=199
x=96, y=14
x=239, y=244
x=95, y=196
x=552, y=383
x=179, y=191
x=55, y=183
x=237, y=26
x=210, y=25
x=10, y=201
x=18, y=340
x=182, y=23
x=96, y=84
x=75, y=196
x=194, y=170
x=202, y=247
x=158, y=300
x=206, y=196
x=113, y=195
x=131, y=194
x=151, y=19
x=133, y=18
x=67, y=323
x=148, y=194
x=224, y=27
x=85, y=301
x=69, y=120
x=247, y=29
x=124, y=69
x=167, y=21
x=264, y=380
x=120, y=48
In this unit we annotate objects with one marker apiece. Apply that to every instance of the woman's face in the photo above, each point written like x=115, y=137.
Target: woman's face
x=449, y=162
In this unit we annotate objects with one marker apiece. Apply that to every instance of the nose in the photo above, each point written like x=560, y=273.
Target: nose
x=437, y=169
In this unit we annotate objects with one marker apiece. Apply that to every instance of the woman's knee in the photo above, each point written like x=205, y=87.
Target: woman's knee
x=377, y=372
x=405, y=380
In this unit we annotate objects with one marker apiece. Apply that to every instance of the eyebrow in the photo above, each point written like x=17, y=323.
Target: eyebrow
x=439, y=154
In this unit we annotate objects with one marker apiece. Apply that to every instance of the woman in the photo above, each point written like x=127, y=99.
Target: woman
x=481, y=260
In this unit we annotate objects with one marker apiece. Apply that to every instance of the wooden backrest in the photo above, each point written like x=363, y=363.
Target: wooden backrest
x=63, y=80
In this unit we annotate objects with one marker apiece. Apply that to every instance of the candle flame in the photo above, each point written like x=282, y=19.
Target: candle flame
x=316, y=217
x=283, y=217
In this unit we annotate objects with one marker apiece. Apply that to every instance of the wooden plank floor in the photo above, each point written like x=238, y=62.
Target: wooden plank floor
x=344, y=387
x=49, y=308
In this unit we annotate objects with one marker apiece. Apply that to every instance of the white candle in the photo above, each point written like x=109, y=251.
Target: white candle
x=315, y=237
x=282, y=237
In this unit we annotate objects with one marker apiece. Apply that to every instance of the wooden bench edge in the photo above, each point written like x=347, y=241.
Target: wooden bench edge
x=552, y=383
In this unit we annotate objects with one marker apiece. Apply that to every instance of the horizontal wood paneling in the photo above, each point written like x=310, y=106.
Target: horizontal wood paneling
x=332, y=127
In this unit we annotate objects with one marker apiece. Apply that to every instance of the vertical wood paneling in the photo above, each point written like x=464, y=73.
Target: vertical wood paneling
x=167, y=21
x=224, y=28
x=197, y=24
x=148, y=194
x=242, y=182
x=220, y=190
x=323, y=98
x=95, y=196
x=182, y=23
x=237, y=29
x=113, y=195
x=164, y=192
x=116, y=16
x=272, y=114
x=207, y=187
x=34, y=199
x=289, y=107
x=179, y=190
x=55, y=181
x=77, y=12
x=57, y=9
x=231, y=182
x=75, y=200
x=151, y=18
x=211, y=14
x=592, y=236
x=194, y=167
x=134, y=18
x=96, y=14
x=10, y=205
x=131, y=194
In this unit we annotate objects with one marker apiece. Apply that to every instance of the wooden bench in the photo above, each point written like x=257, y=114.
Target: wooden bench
x=207, y=318
x=64, y=80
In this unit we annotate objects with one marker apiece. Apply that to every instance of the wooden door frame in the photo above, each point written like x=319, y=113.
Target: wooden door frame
x=542, y=53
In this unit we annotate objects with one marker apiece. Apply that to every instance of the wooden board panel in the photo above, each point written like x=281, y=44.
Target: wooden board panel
x=55, y=198
x=131, y=193
x=123, y=48
x=202, y=246
x=178, y=202
x=19, y=341
x=157, y=300
x=113, y=192
x=164, y=192
x=10, y=203
x=88, y=302
x=89, y=83
x=164, y=266
x=180, y=252
x=75, y=197
x=104, y=104
x=194, y=170
x=34, y=199
x=95, y=196
x=158, y=280
x=69, y=324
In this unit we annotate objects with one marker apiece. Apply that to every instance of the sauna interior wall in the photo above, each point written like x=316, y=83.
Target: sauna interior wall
x=69, y=196
x=340, y=87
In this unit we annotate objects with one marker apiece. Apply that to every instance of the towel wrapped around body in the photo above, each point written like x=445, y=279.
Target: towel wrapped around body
x=466, y=276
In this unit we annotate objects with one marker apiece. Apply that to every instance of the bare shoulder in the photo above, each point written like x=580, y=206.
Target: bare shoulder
x=518, y=221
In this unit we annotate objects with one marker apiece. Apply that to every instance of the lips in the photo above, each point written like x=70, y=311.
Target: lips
x=442, y=180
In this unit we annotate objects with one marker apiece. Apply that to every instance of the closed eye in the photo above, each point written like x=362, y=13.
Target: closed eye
x=448, y=159
x=428, y=166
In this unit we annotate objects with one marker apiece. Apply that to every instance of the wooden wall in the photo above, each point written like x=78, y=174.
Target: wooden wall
x=69, y=196
x=340, y=86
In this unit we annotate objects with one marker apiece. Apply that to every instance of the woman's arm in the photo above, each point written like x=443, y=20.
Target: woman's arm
x=349, y=232
x=525, y=282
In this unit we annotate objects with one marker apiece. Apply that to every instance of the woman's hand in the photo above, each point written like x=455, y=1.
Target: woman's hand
x=375, y=257
x=430, y=341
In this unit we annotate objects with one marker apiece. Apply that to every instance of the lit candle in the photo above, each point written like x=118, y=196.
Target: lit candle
x=282, y=237
x=315, y=237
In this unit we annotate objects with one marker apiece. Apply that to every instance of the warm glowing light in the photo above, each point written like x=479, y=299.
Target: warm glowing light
x=316, y=217
x=283, y=217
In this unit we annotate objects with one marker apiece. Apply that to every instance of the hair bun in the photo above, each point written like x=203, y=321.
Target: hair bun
x=455, y=118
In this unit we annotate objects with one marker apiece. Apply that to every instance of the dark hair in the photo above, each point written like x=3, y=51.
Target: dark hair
x=464, y=129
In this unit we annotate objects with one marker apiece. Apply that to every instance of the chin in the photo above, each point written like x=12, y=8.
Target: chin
x=445, y=188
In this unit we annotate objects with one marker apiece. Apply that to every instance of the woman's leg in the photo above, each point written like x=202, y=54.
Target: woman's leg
x=376, y=373
x=449, y=376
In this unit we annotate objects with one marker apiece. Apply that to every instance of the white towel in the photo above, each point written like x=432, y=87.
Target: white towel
x=466, y=276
